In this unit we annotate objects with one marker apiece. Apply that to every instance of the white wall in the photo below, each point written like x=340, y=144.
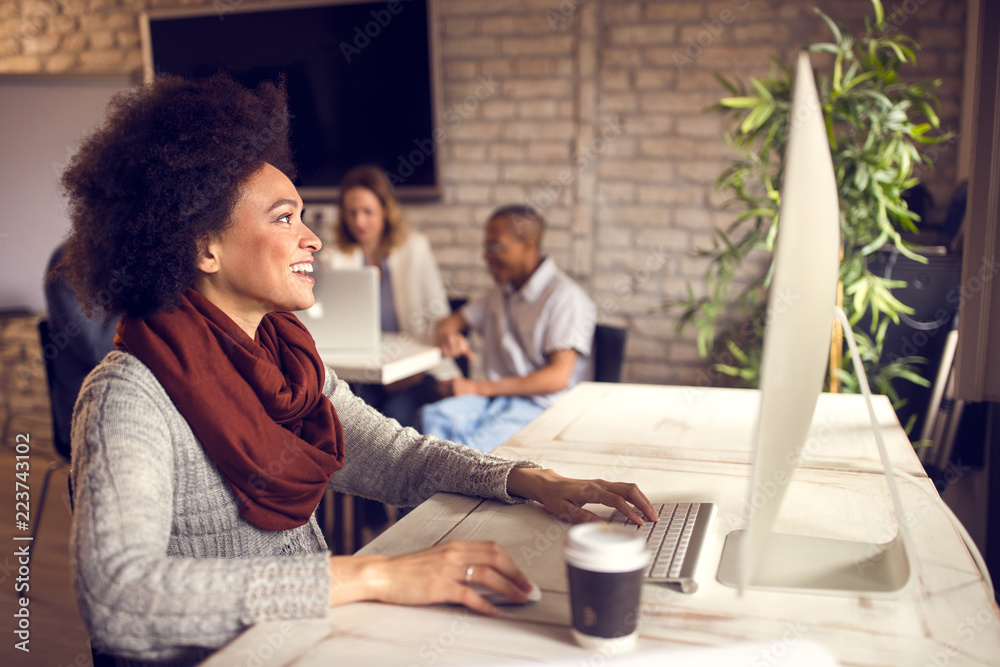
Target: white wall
x=43, y=121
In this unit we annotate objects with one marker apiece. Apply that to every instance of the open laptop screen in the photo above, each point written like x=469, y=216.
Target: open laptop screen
x=346, y=317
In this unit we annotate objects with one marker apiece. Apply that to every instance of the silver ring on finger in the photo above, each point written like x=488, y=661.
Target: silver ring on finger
x=468, y=573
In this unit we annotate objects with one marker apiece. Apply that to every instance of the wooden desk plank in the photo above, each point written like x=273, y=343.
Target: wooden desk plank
x=425, y=526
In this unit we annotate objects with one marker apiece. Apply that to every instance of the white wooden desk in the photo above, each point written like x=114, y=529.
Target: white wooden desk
x=678, y=444
x=399, y=357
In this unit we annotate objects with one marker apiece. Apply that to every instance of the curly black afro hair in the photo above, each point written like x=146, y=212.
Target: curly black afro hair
x=159, y=177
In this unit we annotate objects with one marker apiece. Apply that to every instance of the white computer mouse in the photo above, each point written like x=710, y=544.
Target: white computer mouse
x=494, y=598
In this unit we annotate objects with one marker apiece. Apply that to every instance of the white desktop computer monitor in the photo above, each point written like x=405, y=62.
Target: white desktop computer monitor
x=801, y=306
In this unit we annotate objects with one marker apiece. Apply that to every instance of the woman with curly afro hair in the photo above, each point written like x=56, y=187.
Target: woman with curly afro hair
x=203, y=443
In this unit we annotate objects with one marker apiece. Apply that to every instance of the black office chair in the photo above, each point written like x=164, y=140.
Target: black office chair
x=455, y=303
x=609, y=353
x=63, y=451
x=62, y=448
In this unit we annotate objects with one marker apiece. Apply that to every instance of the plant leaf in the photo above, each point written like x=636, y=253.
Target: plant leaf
x=879, y=12
x=739, y=102
x=831, y=25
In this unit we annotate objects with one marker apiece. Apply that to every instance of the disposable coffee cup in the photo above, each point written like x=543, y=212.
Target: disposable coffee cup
x=605, y=564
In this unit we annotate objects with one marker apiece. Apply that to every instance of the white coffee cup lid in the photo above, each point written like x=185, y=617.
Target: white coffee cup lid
x=603, y=547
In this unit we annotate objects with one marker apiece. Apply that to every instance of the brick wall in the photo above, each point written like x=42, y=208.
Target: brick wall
x=589, y=109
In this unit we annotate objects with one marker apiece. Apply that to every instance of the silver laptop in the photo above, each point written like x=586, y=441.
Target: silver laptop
x=347, y=317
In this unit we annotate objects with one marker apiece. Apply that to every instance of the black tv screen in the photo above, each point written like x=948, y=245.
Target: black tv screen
x=359, y=77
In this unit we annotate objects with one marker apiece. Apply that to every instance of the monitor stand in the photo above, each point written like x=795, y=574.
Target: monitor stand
x=820, y=565
x=809, y=564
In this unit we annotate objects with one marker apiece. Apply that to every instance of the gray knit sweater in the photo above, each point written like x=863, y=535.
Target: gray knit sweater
x=165, y=568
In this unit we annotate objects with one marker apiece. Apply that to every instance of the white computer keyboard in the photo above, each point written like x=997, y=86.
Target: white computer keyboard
x=676, y=540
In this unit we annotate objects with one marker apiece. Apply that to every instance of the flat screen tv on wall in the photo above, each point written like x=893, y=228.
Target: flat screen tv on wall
x=361, y=79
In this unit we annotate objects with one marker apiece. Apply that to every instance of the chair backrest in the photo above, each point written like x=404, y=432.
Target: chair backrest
x=609, y=353
x=456, y=302
x=62, y=447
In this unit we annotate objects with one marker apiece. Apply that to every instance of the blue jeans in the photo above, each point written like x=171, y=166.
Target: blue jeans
x=479, y=422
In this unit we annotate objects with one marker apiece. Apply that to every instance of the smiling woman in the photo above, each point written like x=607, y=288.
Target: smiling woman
x=202, y=445
x=262, y=261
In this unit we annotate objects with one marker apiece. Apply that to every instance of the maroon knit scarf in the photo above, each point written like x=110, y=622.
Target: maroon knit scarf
x=257, y=406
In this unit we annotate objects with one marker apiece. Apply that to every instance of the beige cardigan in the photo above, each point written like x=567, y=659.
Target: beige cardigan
x=417, y=289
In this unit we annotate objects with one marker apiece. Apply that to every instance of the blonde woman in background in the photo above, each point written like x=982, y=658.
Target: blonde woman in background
x=371, y=230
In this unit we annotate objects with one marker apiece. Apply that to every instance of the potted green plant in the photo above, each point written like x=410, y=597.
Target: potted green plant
x=875, y=123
